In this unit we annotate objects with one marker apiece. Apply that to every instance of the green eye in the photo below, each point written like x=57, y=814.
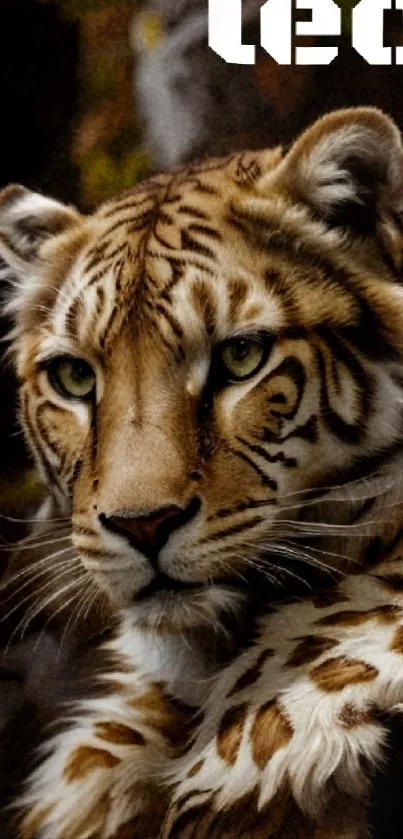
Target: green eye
x=72, y=377
x=242, y=357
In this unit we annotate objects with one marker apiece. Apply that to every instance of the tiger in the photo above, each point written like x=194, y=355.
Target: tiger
x=211, y=386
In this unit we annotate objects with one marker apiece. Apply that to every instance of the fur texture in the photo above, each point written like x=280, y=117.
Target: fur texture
x=231, y=336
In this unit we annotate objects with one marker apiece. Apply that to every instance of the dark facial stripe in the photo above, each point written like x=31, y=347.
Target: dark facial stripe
x=225, y=512
x=308, y=431
x=237, y=294
x=204, y=304
x=189, y=243
x=280, y=457
x=121, y=251
x=138, y=224
x=205, y=230
x=175, y=347
x=171, y=320
x=72, y=316
x=97, y=310
x=265, y=479
x=159, y=236
x=293, y=369
x=348, y=432
x=178, y=267
x=51, y=476
x=94, y=442
x=37, y=449
x=75, y=474
x=80, y=530
x=236, y=529
x=102, y=340
x=188, y=210
x=42, y=428
x=94, y=256
x=127, y=204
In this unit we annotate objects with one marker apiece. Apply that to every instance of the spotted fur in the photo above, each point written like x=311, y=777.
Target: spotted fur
x=224, y=712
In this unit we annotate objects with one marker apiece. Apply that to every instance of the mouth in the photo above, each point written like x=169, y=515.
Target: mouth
x=163, y=584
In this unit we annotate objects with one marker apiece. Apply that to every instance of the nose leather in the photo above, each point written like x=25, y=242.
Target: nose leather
x=145, y=529
x=149, y=533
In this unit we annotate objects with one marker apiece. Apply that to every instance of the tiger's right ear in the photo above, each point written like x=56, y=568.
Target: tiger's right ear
x=37, y=245
x=27, y=221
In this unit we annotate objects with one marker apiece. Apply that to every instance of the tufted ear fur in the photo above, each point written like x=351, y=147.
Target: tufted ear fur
x=348, y=168
x=27, y=219
x=30, y=227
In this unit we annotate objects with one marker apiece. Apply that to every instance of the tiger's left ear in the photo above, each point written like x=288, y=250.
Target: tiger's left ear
x=348, y=168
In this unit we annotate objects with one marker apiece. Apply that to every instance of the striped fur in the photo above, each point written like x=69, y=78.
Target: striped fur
x=296, y=465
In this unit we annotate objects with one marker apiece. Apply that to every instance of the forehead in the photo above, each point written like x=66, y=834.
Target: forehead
x=194, y=254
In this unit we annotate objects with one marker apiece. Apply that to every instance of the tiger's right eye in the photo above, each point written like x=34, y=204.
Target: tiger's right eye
x=72, y=378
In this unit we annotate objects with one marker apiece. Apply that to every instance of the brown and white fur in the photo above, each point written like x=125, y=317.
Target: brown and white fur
x=221, y=712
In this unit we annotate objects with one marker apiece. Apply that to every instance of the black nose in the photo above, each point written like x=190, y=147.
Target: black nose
x=149, y=533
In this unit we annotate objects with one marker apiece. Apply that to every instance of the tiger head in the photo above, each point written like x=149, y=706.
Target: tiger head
x=203, y=353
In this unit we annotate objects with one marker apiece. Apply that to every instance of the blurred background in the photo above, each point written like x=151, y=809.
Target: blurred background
x=97, y=93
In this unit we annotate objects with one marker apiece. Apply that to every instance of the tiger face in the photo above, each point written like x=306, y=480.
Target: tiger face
x=204, y=351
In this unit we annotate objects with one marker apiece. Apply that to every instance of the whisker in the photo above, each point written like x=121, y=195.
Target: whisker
x=336, y=554
x=38, y=533
x=36, y=609
x=325, y=528
x=51, y=617
x=337, y=487
x=31, y=569
x=73, y=619
x=36, y=520
x=295, y=576
x=18, y=547
x=67, y=567
x=299, y=556
x=62, y=573
x=32, y=614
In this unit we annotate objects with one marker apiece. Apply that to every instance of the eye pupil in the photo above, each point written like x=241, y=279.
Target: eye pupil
x=240, y=349
x=79, y=371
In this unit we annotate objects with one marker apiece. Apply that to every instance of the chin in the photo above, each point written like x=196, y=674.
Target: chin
x=179, y=611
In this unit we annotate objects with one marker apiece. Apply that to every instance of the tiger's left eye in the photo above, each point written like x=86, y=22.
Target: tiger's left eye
x=242, y=358
x=72, y=377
